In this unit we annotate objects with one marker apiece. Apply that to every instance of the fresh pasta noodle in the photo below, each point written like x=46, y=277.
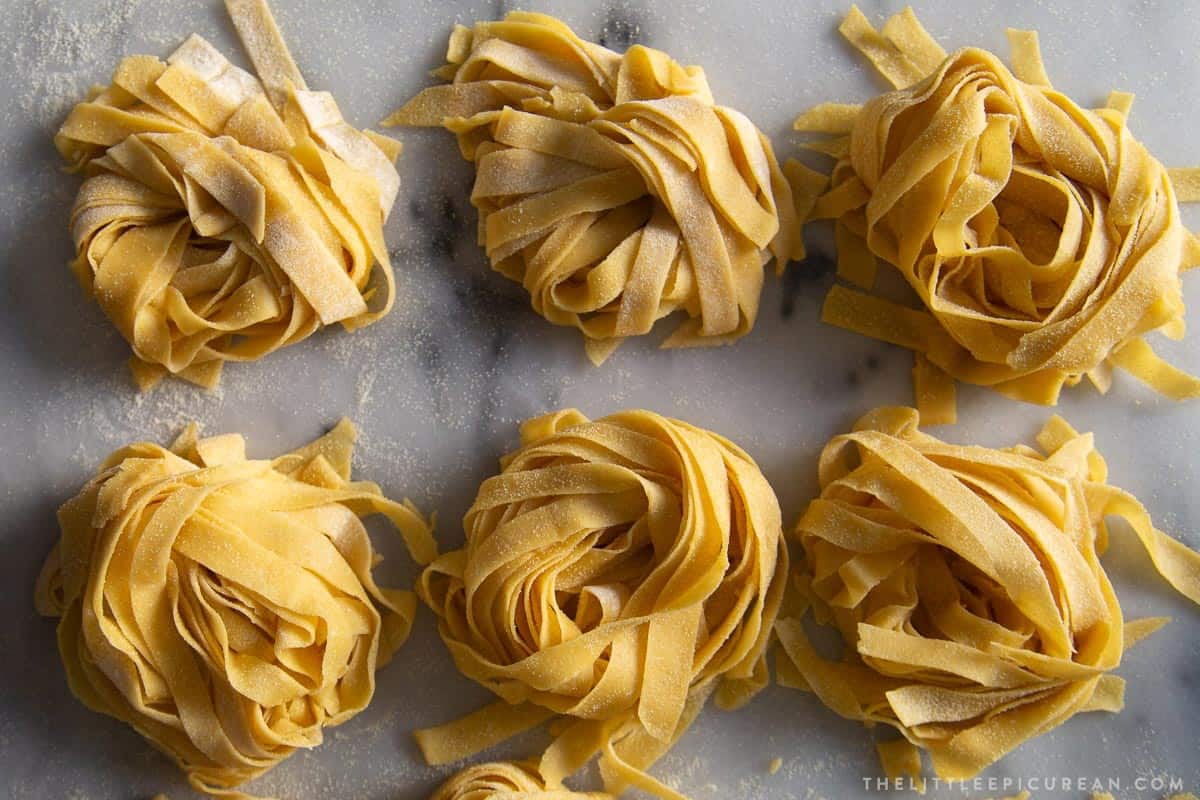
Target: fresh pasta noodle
x=1043, y=239
x=616, y=573
x=967, y=588
x=221, y=218
x=504, y=780
x=611, y=186
x=224, y=607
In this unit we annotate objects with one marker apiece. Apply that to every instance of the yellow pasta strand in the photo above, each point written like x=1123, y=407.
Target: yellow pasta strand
x=1042, y=239
x=611, y=186
x=617, y=573
x=503, y=780
x=967, y=587
x=221, y=218
x=224, y=607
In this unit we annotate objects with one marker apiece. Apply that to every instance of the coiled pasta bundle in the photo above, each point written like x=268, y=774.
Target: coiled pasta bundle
x=504, y=780
x=222, y=218
x=1042, y=238
x=616, y=572
x=611, y=186
x=225, y=607
x=967, y=587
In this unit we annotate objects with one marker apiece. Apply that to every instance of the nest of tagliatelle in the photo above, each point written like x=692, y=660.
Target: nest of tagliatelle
x=1042, y=238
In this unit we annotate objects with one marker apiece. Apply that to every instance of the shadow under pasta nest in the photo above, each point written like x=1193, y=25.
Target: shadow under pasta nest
x=61, y=330
x=33, y=685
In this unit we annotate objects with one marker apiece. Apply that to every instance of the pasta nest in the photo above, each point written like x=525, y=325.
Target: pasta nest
x=225, y=607
x=611, y=186
x=616, y=572
x=221, y=218
x=1042, y=238
x=504, y=780
x=967, y=588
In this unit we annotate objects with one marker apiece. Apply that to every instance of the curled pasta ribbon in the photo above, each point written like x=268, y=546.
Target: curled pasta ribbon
x=611, y=186
x=505, y=780
x=1043, y=239
x=967, y=587
x=222, y=218
x=617, y=573
x=225, y=607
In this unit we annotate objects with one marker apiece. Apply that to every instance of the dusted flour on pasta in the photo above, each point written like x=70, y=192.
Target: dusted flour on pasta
x=1042, y=238
x=967, y=587
x=224, y=607
x=503, y=780
x=221, y=217
x=616, y=573
x=612, y=187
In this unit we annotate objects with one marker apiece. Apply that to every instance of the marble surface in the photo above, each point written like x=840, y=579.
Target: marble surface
x=439, y=387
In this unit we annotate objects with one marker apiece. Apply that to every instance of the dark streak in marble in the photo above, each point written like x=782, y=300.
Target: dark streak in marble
x=438, y=215
x=868, y=369
x=813, y=274
x=481, y=298
x=447, y=228
x=500, y=313
x=622, y=28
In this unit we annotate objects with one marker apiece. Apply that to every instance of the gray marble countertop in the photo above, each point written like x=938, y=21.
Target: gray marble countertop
x=439, y=387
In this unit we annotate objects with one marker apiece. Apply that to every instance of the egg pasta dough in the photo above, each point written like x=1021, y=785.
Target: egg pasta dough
x=1042, y=239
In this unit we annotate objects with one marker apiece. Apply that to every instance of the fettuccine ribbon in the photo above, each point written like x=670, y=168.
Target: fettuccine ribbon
x=504, y=780
x=616, y=572
x=967, y=587
x=1042, y=238
x=225, y=607
x=611, y=186
x=222, y=218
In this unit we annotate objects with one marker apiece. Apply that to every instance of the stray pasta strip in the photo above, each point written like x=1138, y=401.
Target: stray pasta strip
x=967, y=587
x=505, y=780
x=616, y=574
x=611, y=186
x=1043, y=240
x=221, y=218
x=224, y=607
